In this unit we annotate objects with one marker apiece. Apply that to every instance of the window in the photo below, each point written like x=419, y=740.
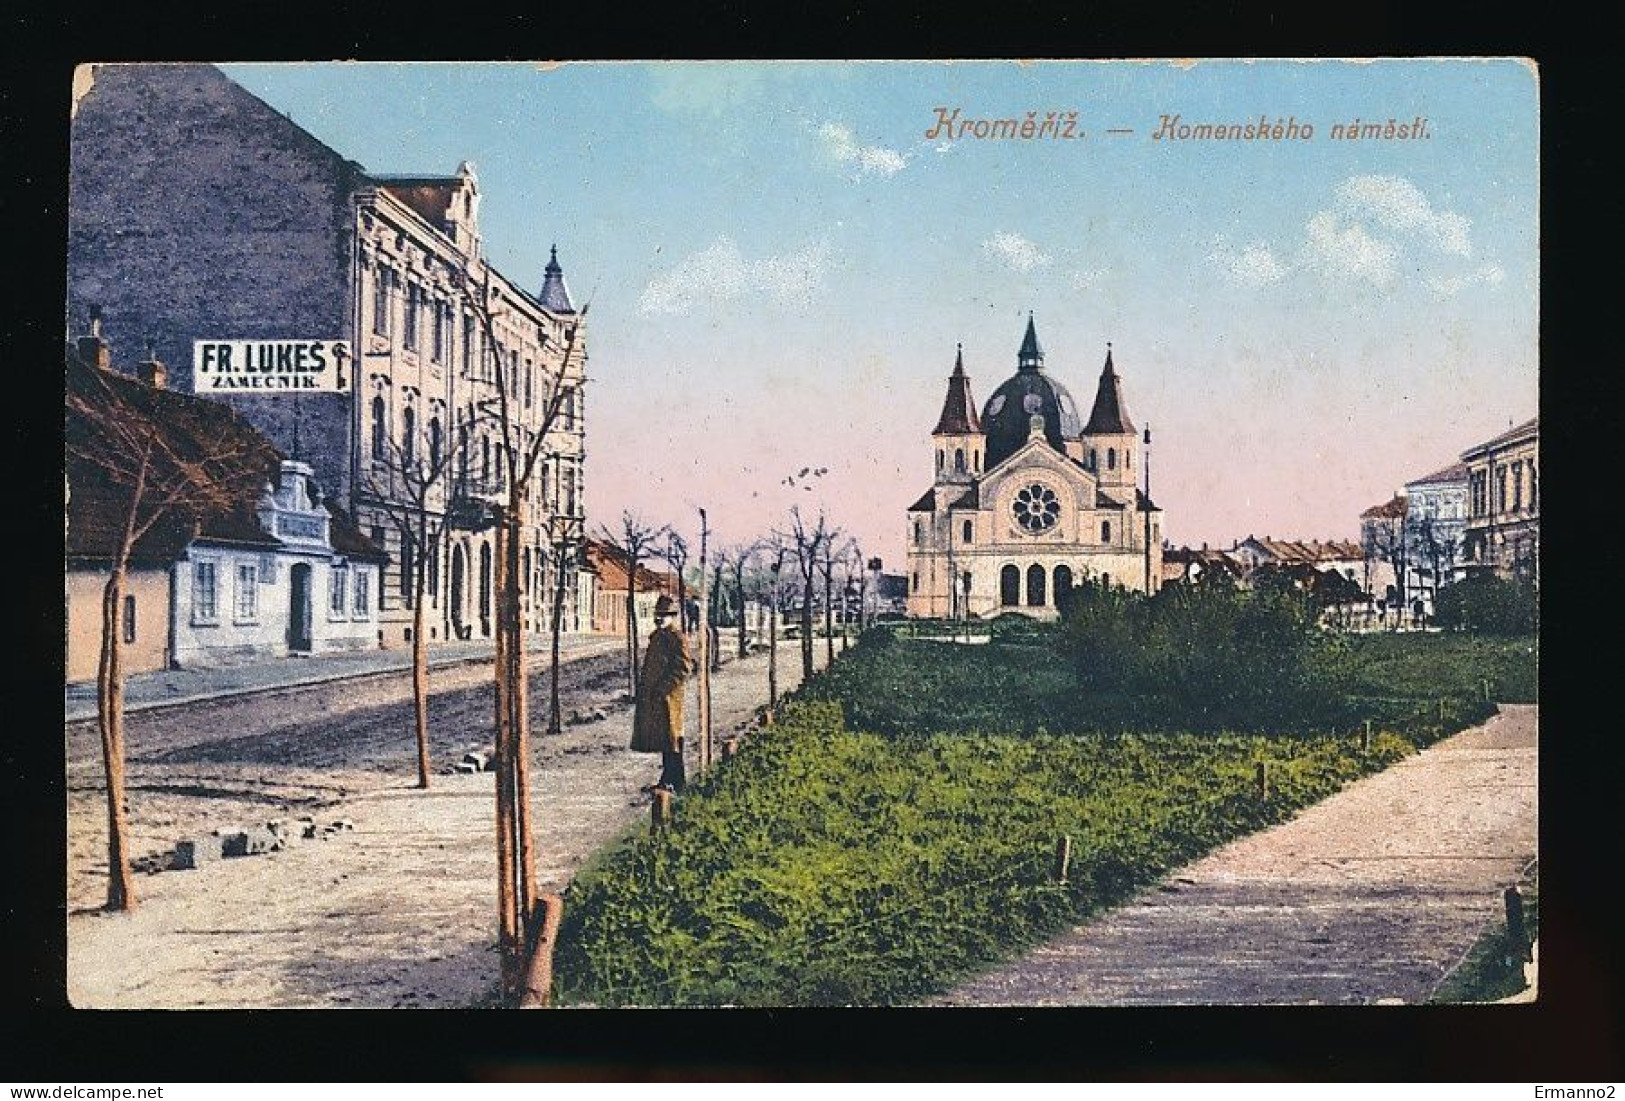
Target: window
x=1094, y=461
x=1111, y=458
x=547, y=500
x=1036, y=508
x=380, y=431
x=336, y=596
x=434, y=571
x=1063, y=583
x=437, y=348
x=1534, y=489
x=409, y=330
x=530, y=383
x=939, y=458
x=1035, y=586
x=409, y=438
x=964, y=582
x=408, y=588
x=919, y=533
x=363, y=599
x=969, y=532
x=1105, y=531
x=129, y=619
x=204, y=607
x=959, y=460
x=380, y=300
x=916, y=583
x=468, y=344
x=436, y=443
x=1517, y=486
x=485, y=459
x=247, y=605
x=1010, y=586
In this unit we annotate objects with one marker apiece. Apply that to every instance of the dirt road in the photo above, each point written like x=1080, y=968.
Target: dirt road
x=1370, y=896
x=398, y=911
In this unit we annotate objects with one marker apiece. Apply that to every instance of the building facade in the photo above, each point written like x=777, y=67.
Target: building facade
x=198, y=212
x=268, y=569
x=1435, y=533
x=1502, y=533
x=1028, y=499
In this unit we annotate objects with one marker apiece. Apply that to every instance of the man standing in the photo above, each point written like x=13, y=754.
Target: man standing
x=657, y=719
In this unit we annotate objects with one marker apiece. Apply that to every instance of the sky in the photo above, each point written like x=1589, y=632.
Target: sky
x=781, y=258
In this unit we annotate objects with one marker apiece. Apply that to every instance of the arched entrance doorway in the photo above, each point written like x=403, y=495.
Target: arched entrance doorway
x=459, y=570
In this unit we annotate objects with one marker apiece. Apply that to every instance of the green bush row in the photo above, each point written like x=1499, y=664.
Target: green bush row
x=826, y=866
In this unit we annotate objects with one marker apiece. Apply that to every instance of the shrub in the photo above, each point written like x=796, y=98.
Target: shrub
x=1488, y=605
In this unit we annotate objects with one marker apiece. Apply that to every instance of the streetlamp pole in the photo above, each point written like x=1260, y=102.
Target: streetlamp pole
x=1149, y=587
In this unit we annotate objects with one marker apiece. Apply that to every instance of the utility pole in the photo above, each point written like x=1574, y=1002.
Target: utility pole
x=705, y=649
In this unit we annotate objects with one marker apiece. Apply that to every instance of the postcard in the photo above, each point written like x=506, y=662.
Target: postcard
x=954, y=534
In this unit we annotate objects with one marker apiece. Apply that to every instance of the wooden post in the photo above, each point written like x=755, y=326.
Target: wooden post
x=1485, y=681
x=660, y=810
x=1517, y=932
x=1263, y=781
x=1365, y=738
x=538, y=992
x=1063, y=857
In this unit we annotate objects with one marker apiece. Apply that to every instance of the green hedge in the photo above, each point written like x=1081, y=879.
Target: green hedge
x=824, y=866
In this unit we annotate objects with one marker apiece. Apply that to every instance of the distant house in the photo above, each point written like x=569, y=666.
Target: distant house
x=610, y=566
x=1503, y=524
x=1435, y=533
x=1340, y=556
x=1192, y=564
x=1382, y=547
x=276, y=569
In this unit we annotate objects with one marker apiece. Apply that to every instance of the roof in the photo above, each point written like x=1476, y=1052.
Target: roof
x=926, y=503
x=1110, y=414
x=1392, y=509
x=555, y=294
x=1008, y=413
x=959, y=408
x=1455, y=472
x=1031, y=354
x=1528, y=427
x=235, y=460
x=428, y=196
x=971, y=498
x=610, y=563
x=1307, y=552
x=206, y=443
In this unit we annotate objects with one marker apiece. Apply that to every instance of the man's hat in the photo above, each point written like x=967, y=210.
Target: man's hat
x=665, y=605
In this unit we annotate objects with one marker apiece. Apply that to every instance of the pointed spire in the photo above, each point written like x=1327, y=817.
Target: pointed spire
x=555, y=294
x=1031, y=355
x=958, y=409
x=1110, y=414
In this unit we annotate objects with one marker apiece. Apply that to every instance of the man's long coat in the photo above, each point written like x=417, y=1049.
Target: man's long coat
x=657, y=722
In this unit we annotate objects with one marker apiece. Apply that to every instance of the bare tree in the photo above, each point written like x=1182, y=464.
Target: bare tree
x=675, y=552
x=157, y=461
x=1384, y=541
x=827, y=561
x=566, y=547
x=777, y=552
x=1435, y=547
x=411, y=489
x=635, y=540
x=736, y=560
x=806, y=542
x=524, y=442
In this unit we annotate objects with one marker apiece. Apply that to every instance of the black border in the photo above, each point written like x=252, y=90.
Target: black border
x=1573, y=1034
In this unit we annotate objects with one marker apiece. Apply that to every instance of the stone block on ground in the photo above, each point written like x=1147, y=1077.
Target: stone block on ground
x=251, y=842
x=193, y=852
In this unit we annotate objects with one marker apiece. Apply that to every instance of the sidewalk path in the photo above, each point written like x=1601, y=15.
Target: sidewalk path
x=177, y=687
x=400, y=911
x=1372, y=895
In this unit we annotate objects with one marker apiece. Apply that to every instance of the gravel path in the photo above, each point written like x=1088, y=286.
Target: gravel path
x=1370, y=896
x=397, y=912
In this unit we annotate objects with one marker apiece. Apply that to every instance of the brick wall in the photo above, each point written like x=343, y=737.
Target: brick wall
x=198, y=211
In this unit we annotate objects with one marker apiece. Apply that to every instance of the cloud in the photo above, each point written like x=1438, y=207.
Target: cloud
x=1343, y=248
x=1398, y=204
x=1489, y=275
x=1016, y=251
x=869, y=160
x=1085, y=280
x=721, y=273
x=1254, y=266
x=707, y=90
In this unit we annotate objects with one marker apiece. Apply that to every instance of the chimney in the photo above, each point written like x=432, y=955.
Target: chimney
x=1204, y=547
x=92, y=348
x=152, y=371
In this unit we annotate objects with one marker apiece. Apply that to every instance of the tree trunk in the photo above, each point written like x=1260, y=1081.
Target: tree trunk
x=703, y=685
x=739, y=587
x=517, y=583
x=508, y=940
x=806, y=628
x=110, y=713
x=713, y=617
x=554, y=723
x=829, y=616
x=773, y=654
x=420, y=669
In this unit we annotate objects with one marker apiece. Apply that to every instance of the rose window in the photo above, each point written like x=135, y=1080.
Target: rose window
x=1036, y=507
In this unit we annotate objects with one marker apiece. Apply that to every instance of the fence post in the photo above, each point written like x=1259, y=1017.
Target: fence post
x=1063, y=857
x=1485, y=682
x=1365, y=738
x=660, y=810
x=1441, y=710
x=1517, y=932
x=538, y=992
x=1263, y=781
